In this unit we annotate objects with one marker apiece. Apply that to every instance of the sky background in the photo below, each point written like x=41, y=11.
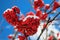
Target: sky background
x=24, y=6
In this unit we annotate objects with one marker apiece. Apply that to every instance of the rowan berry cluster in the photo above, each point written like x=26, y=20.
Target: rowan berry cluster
x=27, y=25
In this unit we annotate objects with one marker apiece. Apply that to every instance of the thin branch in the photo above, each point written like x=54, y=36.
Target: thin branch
x=58, y=19
x=54, y=17
x=43, y=29
x=50, y=11
x=52, y=2
x=14, y=35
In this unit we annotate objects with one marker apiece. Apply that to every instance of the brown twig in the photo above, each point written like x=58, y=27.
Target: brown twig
x=54, y=17
x=52, y=2
x=50, y=12
x=14, y=35
x=43, y=29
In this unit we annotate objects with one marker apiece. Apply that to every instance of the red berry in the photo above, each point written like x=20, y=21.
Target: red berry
x=30, y=13
x=44, y=16
x=16, y=9
x=50, y=37
x=47, y=6
x=39, y=13
x=56, y=5
x=21, y=37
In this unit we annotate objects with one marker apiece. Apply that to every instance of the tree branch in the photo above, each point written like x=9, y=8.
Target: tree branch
x=54, y=17
x=43, y=29
x=14, y=35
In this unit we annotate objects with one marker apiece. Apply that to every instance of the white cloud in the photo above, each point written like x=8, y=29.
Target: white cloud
x=50, y=28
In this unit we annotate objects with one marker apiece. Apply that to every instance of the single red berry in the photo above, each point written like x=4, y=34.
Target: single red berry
x=39, y=13
x=30, y=13
x=10, y=36
x=36, y=5
x=16, y=9
x=56, y=5
x=47, y=6
x=44, y=16
x=50, y=37
x=21, y=37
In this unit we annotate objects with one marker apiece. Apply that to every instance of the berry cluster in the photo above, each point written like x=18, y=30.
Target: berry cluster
x=27, y=25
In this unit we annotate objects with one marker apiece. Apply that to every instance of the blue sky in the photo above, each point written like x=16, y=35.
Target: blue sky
x=24, y=6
